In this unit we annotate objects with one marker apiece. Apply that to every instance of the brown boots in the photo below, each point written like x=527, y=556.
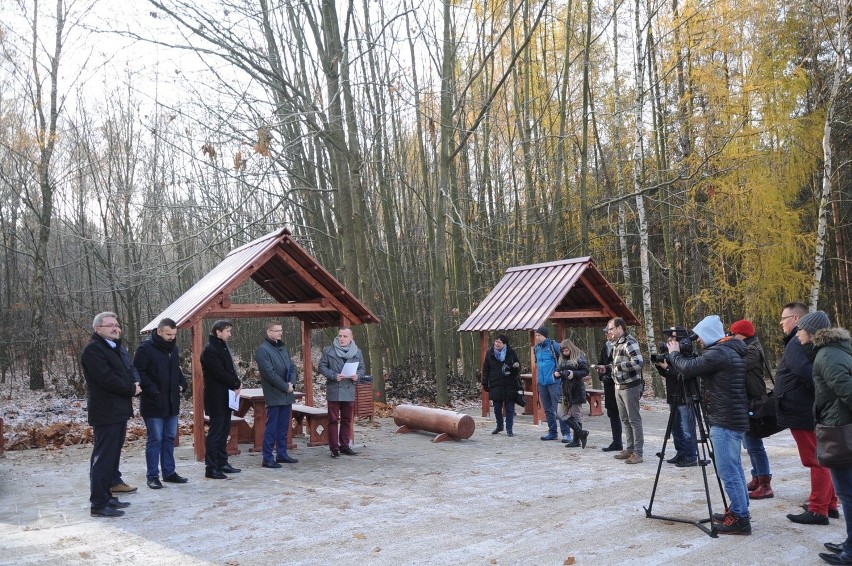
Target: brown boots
x=759, y=488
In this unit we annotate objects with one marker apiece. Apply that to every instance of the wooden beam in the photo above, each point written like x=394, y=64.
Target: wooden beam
x=319, y=287
x=580, y=313
x=604, y=305
x=269, y=309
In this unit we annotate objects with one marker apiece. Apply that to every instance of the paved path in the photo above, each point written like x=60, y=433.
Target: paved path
x=402, y=500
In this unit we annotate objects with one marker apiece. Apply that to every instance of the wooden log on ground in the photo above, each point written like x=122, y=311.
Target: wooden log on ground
x=447, y=424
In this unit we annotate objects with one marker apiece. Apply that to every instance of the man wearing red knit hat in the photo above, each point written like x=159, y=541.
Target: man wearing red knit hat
x=756, y=372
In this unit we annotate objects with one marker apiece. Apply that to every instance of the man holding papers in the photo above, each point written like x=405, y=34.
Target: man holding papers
x=342, y=365
x=220, y=378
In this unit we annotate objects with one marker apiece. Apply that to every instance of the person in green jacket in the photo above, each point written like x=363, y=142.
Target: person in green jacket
x=831, y=351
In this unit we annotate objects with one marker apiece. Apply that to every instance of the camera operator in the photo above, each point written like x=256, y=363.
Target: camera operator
x=722, y=370
x=683, y=424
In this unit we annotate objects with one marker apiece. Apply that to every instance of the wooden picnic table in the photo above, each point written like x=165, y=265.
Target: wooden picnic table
x=252, y=398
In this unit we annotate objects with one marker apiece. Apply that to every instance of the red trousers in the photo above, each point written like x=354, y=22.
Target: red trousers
x=822, y=496
x=340, y=414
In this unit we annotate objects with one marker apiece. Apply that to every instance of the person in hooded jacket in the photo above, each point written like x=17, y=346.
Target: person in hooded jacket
x=831, y=352
x=794, y=404
x=157, y=360
x=500, y=372
x=722, y=369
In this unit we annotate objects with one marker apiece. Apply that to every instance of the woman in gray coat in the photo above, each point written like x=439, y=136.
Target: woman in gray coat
x=342, y=365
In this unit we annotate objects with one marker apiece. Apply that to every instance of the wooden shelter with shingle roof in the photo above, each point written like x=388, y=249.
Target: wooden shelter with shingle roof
x=569, y=292
x=299, y=285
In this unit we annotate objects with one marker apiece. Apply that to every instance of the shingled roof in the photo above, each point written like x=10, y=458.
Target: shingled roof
x=571, y=290
x=297, y=283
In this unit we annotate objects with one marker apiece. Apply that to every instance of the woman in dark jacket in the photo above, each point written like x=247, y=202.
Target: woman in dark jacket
x=500, y=379
x=573, y=367
x=832, y=374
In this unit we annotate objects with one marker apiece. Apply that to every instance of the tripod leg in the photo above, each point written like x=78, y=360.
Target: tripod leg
x=662, y=456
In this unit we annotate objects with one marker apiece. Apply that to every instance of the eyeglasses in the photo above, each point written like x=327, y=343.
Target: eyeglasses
x=783, y=318
x=110, y=326
x=610, y=329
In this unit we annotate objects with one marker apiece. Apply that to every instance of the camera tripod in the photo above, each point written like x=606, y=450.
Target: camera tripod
x=687, y=391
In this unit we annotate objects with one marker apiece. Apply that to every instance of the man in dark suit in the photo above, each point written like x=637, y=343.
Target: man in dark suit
x=111, y=388
x=220, y=376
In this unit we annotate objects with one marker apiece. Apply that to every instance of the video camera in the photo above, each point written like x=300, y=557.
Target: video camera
x=686, y=339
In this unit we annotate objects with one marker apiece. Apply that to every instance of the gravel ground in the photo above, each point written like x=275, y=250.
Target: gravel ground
x=403, y=500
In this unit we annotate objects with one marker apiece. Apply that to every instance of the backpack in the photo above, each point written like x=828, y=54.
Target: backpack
x=756, y=389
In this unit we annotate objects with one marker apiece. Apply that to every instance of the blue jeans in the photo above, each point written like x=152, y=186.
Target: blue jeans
x=548, y=396
x=683, y=432
x=727, y=446
x=842, y=479
x=275, y=433
x=509, y=412
x=160, y=448
x=757, y=455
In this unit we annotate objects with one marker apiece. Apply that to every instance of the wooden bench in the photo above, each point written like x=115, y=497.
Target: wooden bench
x=232, y=447
x=316, y=421
x=595, y=400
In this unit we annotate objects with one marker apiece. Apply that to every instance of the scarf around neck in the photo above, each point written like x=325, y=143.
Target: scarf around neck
x=500, y=354
x=346, y=353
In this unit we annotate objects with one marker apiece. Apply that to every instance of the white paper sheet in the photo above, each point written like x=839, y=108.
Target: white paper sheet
x=350, y=369
x=233, y=399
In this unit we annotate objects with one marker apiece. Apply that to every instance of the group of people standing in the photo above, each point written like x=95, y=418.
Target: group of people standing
x=154, y=374
x=812, y=386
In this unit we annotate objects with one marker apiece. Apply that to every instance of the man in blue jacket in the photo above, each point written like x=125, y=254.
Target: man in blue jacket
x=158, y=361
x=278, y=380
x=111, y=388
x=549, y=382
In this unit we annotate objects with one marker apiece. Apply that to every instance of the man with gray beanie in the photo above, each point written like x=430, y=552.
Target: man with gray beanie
x=794, y=403
x=722, y=369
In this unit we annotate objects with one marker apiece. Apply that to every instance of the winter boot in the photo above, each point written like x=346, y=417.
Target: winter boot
x=752, y=485
x=734, y=525
x=764, y=489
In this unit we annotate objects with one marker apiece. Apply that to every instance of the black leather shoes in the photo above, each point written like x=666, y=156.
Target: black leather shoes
x=808, y=518
x=497, y=430
x=286, y=460
x=348, y=451
x=229, y=469
x=174, y=478
x=612, y=448
x=215, y=475
x=836, y=558
x=834, y=547
x=154, y=483
x=335, y=453
x=832, y=513
x=271, y=464
x=107, y=512
x=116, y=504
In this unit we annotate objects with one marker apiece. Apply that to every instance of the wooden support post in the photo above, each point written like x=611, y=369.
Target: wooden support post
x=197, y=390
x=534, y=368
x=307, y=364
x=483, y=351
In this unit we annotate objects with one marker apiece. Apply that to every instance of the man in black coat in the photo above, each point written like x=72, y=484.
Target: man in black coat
x=604, y=369
x=722, y=369
x=111, y=388
x=794, y=404
x=158, y=361
x=220, y=376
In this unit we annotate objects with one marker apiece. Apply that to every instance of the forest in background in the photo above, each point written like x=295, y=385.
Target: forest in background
x=698, y=151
